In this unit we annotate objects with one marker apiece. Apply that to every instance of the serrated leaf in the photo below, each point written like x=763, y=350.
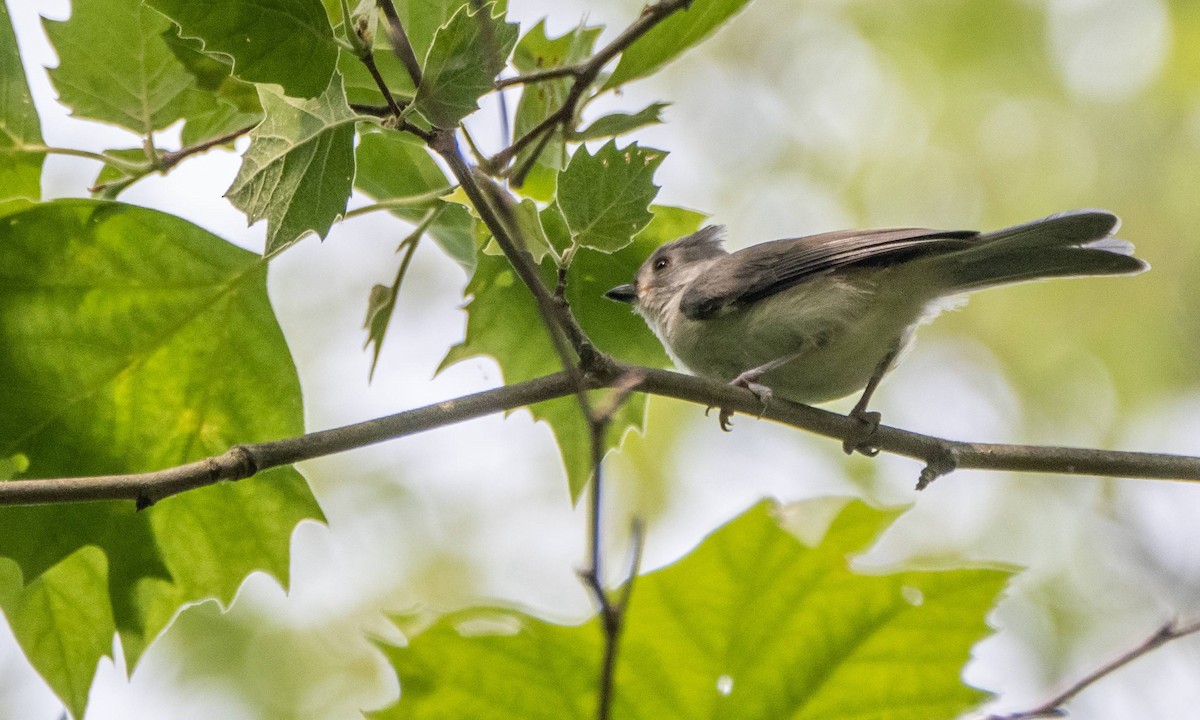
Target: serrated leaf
x=620, y=123
x=671, y=37
x=503, y=322
x=115, y=67
x=537, y=51
x=467, y=54
x=422, y=18
x=299, y=169
x=604, y=197
x=289, y=42
x=751, y=625
x=60, y=604
x=136, y=341
x=221, y=103
x=20, y=130
x=394, y=165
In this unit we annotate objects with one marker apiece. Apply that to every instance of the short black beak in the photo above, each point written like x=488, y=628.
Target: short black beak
x=623, y=293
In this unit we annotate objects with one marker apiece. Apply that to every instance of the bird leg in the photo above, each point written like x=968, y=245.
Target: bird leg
x=749, y=380
x=869, y=421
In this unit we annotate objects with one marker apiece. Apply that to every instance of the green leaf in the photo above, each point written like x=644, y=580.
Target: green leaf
x=503, y=323
x=57, y=621
x=115, y=67
x=362, y=89
x=20, y=130
x=467, y=54
x=603, y=197
x=10, y=467
x=134, y=341
x=299, y=169
x=394, y=165
x=422, y=18
x=222, y=103
x=287, y=42
x=621, y=123
x=672, y=37
x=752, y=624
x=539, y=100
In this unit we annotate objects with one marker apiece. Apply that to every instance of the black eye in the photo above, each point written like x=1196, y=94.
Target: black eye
x=661, y=263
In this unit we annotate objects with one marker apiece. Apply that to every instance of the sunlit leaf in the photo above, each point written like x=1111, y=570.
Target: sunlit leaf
x=671, y=37
x=299, y=169
x=20, y=129
x=467, y=54
x=115, y=67
x=288, y=42
x=604, y=197
x=134, y=341
x=752, y=625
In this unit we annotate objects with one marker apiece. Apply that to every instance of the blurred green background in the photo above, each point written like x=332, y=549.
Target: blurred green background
x=797, y=117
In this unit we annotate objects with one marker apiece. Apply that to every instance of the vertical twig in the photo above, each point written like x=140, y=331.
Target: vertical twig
x=400, y=42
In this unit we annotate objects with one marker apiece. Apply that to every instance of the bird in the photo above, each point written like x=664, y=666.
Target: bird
x=816, y=318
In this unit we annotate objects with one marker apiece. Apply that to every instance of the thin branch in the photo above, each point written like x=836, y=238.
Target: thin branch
x=246, y=460
x=556, y=315
x=539, y=75
x=405, y=201
x=368, y=59
x=174, y=157
x=400, y=42
x=1054, y=706
x=585, y=74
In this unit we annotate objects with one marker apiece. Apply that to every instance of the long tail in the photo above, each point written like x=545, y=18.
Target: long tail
x=1075, y=243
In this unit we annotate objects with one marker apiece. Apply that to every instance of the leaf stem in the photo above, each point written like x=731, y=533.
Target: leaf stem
x=406, y=201
x=400, y=42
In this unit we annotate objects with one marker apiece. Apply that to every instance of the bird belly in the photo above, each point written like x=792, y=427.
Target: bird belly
x=838, y=331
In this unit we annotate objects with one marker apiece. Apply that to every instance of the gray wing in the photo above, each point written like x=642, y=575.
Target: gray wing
x=762, y=270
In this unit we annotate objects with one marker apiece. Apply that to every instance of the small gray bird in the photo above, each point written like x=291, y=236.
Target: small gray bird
x=817, y=318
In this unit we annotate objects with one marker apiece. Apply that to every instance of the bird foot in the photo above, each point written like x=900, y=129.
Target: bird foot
x=745, y=380
x=861, y=439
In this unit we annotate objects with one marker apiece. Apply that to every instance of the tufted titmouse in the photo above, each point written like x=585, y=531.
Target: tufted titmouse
x=817, y=318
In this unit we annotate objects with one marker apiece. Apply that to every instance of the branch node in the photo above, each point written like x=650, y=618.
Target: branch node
x=942, y=461
x=143, y=501
x=244, y=462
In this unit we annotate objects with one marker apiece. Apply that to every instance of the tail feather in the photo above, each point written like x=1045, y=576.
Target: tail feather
x=1077, y=243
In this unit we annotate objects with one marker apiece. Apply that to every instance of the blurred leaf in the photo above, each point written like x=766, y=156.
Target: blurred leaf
x=115, y=67
x=672, y=36
x=395, y=165
x=539, y=100
x=467, y=54
x=20, y=129
x=604, y=197
x=289, y=43
x=503, y=323
x=621, y=123
x=299, y=169
x=130, y=341
x=752, y=624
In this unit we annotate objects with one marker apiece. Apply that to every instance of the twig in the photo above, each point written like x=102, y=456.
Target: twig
x=611, y=613
x=368, y=59
x=556, y=315
x=174, y=157
x=400, y=42
x=584, y=75
x=1053, y=707
x=153, y=486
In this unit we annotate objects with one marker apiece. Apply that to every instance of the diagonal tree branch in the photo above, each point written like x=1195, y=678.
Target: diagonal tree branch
x=245, y=460
x=1054, y=706
x=585, y=74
